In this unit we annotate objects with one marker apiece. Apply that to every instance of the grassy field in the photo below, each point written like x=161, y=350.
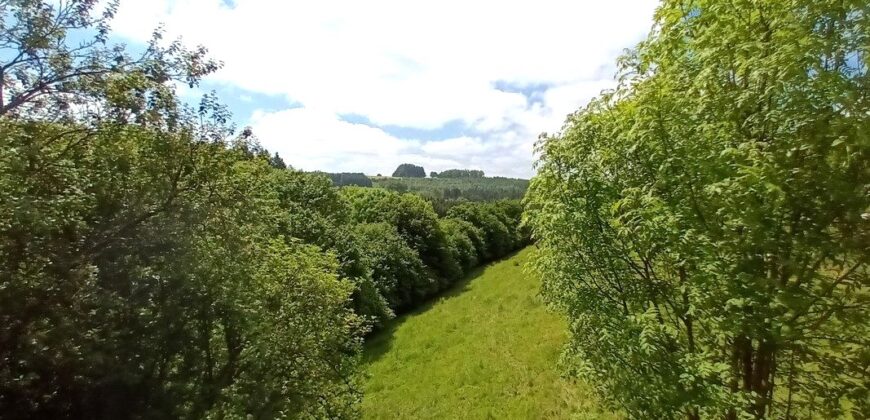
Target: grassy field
x=486, y=349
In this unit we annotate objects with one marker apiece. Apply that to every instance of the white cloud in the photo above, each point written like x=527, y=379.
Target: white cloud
x=309, y=139
x=409, y=64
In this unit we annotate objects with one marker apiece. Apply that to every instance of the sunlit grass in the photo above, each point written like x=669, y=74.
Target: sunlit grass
x=486, y=349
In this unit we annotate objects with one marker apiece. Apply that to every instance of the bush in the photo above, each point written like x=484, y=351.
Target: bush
x=397, y=270
x=462, y=247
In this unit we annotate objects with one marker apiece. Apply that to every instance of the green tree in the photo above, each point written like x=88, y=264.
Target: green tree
x=463, y=241
x=143, y=267
x=498, y=238
x=414, y=219
x=277, y=162
x=399, y=273
x=704, y=226
x=407, y=170
x=315, y=212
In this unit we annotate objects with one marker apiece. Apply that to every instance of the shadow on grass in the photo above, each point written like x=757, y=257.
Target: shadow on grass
x=380, y=342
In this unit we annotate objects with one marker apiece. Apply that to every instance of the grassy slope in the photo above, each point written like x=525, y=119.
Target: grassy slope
x=486, y=349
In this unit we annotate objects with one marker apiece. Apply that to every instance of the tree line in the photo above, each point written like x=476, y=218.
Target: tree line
x=153, y=264
x=704, y=226
x=458, y=173
x=445, y=193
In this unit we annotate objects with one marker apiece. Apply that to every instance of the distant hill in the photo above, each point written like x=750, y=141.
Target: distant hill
x=446, y=192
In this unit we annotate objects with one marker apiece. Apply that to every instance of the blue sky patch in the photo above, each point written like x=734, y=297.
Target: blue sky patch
x=452, y=129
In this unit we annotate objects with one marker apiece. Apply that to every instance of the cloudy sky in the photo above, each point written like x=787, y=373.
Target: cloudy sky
x=361, y=86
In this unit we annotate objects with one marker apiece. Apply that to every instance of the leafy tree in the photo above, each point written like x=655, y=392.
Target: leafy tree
x=433, y=174
x=397, y=270
x=144, y=269
x=315, y=212
x=277, y=162
x=45, y=74
x=407, y=170
x=463, y=241
x=498, y=238
x=704, y=226
x=414, y=219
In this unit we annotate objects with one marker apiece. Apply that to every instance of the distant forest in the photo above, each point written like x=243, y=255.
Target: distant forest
x=444, y=190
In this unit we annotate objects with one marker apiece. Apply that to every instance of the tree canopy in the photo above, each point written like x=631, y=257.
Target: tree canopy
x=408, y=170
x=704, y=225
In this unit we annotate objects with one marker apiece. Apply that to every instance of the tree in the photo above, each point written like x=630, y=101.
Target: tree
x=407, y=170
x=703, y=226
x=144, y=271
x=433, y=174
x=277, y=162
x=44, y=73
x=463, y=241
x=412, y=216
x=399, y=273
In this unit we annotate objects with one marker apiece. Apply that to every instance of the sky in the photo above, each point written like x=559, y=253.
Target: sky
x=362, y=86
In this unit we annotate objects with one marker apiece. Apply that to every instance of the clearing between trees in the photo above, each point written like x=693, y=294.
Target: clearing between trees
x=487, y=348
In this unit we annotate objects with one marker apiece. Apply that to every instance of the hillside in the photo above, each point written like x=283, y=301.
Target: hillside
x=445, y=193
x=486, y=349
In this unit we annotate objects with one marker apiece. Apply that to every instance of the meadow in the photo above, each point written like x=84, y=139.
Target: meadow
x=487, y=348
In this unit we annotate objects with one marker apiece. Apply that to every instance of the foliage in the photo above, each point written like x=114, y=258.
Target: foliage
x=704, y=227
x=407, y=170
x=412, y=216
x=145, y=268
x=497, y=221
x=399, y=273
x=152, y=265
x=443, y=252
x=460, y=173
x=346, y=178
x=315, y=213
x=486, y=349
x=444, y=193
x=171, y=271
x=277, y=162
x=462, y=238
x=45, y=74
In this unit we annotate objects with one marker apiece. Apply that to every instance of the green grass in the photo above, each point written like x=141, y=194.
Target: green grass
x=486, y=349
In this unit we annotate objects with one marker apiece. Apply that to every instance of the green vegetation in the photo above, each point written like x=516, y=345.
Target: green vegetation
x=458, y=173
x=445, y=193
x=342, y=179
x=155, y=265
x=704, y=229
x=407, y=170
x=485, y=349
x=705, y=226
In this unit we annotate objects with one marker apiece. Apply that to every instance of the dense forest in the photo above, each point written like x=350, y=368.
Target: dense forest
x=703, y=228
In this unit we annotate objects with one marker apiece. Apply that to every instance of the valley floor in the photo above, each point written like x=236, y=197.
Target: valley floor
x=486, y=349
